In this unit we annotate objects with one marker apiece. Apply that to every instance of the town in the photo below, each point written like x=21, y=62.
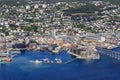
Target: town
x=77, y=27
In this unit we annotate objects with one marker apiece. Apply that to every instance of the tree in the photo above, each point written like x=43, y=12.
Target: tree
x=85, y=28
x=89, y=8
x=30, y=28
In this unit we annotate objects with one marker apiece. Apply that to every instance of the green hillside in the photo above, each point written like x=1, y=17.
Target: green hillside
x=89, y=8
x=15, y=2
x=111, y=1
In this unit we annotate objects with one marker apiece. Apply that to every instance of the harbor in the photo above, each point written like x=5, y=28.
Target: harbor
x=22, y=69
x=59, y=40
x=83, y=49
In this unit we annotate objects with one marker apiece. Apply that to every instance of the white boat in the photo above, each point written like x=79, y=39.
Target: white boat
x=58, y=60
x=15, y=51
x=46, y=60
x=36, y=61
x=4, y=53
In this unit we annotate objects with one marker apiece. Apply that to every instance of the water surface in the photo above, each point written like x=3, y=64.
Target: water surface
x=22, y=69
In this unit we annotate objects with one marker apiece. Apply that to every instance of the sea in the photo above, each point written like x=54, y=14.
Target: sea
x=21, y=67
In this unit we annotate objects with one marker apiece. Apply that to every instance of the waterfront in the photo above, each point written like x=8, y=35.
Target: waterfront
x=21, y=69
x=36, y=37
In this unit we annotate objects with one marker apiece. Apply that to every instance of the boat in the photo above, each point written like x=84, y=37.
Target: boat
x=5, y=57
x=58, y=60
x=46, y=60
x=36, y=61
x=15, y=51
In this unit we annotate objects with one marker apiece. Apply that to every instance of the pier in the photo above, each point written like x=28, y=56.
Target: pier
x=110, y=53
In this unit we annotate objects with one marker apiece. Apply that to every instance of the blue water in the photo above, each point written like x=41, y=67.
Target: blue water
x=22, y=69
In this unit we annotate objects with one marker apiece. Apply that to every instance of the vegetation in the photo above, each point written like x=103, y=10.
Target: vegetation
x=110, y=8
x=111, y=1
x=29, y=28
x=90, y=8
x=13, y=2
x=22, y=2
x=85, y=28
x=4, y=30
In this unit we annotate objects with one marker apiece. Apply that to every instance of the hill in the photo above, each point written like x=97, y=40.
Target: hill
x=14, y=2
